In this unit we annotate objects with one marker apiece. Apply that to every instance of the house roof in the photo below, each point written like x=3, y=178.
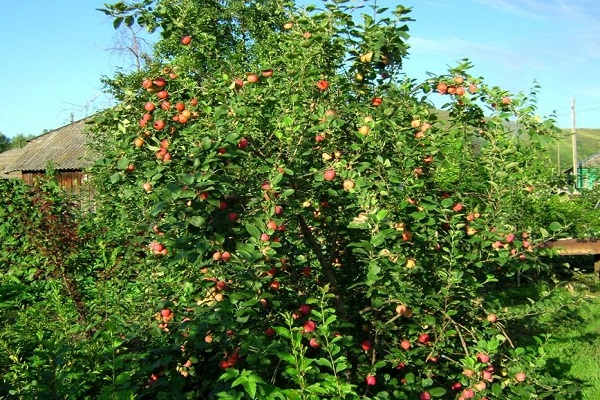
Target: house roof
x=7, y=158
x=65, y=147
x=592, y=161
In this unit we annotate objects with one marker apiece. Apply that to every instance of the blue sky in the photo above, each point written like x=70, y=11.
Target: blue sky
x=55, y=53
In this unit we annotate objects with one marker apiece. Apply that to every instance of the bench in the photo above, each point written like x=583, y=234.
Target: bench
x=577, y=247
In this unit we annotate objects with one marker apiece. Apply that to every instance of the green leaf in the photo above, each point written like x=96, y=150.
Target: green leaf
x=117, y=22
x=253, y=231
x=381, y=215
x=197, y=221
x=437, y=392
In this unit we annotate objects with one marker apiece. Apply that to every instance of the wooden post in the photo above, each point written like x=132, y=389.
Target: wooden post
x=574, y=142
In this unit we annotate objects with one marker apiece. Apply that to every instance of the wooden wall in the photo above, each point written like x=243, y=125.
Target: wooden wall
x=72, y=181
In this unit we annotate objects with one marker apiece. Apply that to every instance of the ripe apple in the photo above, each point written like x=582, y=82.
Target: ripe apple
x=376, y=101
x=314, y=343
x=442, y=87
x=492, y=318
x=319, y=138
x=160, y=82
x=468, y=394
x=329, y=175
x=287, y=26
x=472, y=88
x=479, y=386
x=267, y=73
x=147, y=187
x=366, y=345
x=138, y=142
x=165, y=105
x=322, y=85
x=304, y=309
x=506, y=100
x=186, y=40
x=520, y=376
x=410, y=263
x=425, y=396
x=457, y=207
x=371, y=380
x=364, y=130
x=238, y=83
x=456, y=386
x=243, y=143
x=149, y=106
x=252, y=78
x=483, y=358
x=165, y=313
x=460, y=91
x=264, y=237
x=310, y=326
x=147, y=84
x=275, y=285
x=405, y=344
x=225, y=256
x=424, y=338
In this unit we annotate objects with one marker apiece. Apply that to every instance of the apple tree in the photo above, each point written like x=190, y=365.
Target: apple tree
x=326, y=233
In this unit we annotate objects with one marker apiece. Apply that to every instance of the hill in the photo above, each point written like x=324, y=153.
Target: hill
x=588, y=143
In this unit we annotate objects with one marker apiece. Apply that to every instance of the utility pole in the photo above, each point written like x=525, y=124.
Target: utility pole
x=574, y=140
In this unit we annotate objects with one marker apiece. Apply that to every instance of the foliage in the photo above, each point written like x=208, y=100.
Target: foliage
x=281, y=214
x=4, y=142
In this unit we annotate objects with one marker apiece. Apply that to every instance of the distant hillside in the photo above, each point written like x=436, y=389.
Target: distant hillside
x=588, y=143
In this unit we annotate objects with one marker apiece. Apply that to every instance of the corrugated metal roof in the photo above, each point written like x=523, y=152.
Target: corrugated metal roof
x=592, y=161
x=7, y=158
x=65, y=147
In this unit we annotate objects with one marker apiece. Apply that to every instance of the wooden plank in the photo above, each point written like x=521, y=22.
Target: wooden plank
x=574, y=247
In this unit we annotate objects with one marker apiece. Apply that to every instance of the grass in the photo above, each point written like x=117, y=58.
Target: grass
x=575, y=341
x=588, y=143
x=573, y=351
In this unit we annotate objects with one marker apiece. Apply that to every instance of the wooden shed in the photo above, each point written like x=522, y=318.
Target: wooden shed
x=65, y=148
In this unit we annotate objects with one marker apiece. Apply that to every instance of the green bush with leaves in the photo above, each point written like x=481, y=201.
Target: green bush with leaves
x=332, y=237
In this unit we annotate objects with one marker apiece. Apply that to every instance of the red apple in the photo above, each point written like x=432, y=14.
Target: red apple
x=322, y=85
x=520, y=376
x=371, y=380
x=305, y=309
x=424, y=338
x=329, y=175
x=309, y=326
x=186, y=40
x=483, y=358
x=243, y=143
